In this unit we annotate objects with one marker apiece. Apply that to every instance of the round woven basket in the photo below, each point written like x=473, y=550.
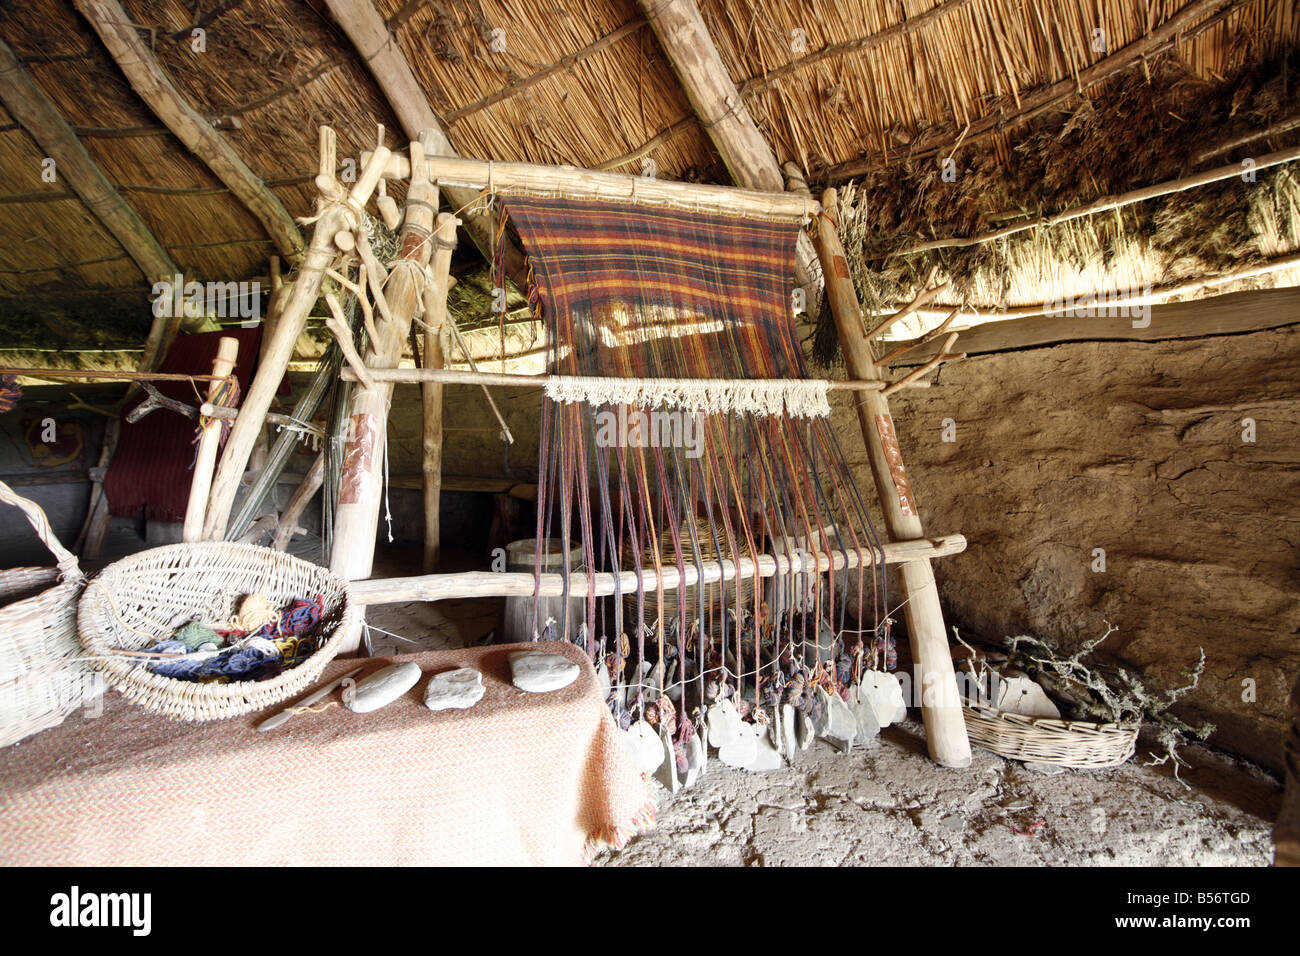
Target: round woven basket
x=149, y=595
x=1069, y=743
x=41, y=678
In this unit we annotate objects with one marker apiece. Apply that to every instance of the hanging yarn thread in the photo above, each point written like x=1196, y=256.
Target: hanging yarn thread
x=680, y=428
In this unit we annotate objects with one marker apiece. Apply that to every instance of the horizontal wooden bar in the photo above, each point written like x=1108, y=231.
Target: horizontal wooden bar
x=447, y=376
x=616, y=187
x=1234, y=313
x=108, y=375
x=471, y=584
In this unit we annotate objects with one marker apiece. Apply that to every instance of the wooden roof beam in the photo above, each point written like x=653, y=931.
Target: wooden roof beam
x=34, y=111
x=720, y=108
x=382, y=56
x=152, y=84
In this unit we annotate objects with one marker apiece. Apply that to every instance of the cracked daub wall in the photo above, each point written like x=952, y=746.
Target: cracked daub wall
x=1144, y=450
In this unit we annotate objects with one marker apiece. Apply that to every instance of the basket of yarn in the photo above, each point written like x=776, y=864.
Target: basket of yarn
x=215, y=629
x=42, y=678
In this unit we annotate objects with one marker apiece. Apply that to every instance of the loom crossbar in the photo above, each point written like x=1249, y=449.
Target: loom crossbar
x=472, y=584
x=576, y=183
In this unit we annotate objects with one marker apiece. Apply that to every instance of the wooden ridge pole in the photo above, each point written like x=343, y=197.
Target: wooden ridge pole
x=384, y=59
x=356, y=519
x=337, y=213
x=152, y=84
x=34, y=112
x=468, y=584
x=945, y=727
x=205, y=458
x=435, y=333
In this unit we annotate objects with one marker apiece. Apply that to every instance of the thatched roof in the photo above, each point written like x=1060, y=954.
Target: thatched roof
x=839, y=87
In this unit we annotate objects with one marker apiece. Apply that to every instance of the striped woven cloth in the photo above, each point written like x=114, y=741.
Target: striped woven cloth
x=662, y=291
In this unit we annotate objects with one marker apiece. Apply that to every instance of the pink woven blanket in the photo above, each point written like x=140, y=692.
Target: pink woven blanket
x=519, y=779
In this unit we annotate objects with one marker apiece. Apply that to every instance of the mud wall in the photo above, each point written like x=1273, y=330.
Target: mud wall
x=1142, y=449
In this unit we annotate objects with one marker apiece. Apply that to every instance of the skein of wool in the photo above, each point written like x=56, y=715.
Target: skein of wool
x=254, y=611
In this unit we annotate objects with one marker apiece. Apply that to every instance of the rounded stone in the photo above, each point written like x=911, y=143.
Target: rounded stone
x=539, y=671
x=381, y=688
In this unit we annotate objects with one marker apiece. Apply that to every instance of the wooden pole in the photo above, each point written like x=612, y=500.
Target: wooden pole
x=619, y=187
x=721, y=109
x=337, y=214
x=34, y=111
x=356, y=519
x=441, y=587
x=449, y=376
x=153, y=86
x=310, y=484
x=379, y=50
x=945, y=728
x=209, y=441
x=435, y=320
x=105, y=375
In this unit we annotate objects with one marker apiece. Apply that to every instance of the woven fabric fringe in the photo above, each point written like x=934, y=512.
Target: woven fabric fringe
x=617, y=837
x=798, y=398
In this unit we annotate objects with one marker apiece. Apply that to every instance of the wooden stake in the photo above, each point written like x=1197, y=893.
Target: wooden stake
x=209, y=440
x=321, y=254
x=448, y=376
x=435, y=320
x=945, y=727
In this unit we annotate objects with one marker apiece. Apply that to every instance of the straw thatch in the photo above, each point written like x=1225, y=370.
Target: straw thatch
x=837, y=86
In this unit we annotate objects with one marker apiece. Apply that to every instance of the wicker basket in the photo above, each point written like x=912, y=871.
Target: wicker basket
x=1069, y=743
x=41, y=679
x=149, y=595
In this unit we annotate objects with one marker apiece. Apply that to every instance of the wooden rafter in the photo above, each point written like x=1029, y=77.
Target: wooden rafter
x=384, y=59
x=152, y=84
x=32, y=109
x=720, y=107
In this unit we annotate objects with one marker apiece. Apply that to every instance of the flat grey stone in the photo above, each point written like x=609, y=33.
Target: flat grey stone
x=454, y=690
x=539, y=671
x=382, y=687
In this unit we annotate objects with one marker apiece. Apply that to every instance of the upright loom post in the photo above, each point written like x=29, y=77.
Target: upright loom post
x=945, y=727
x=435, y=319
x=205, y=459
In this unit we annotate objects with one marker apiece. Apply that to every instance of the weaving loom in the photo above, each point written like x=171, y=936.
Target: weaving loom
x=655, y=312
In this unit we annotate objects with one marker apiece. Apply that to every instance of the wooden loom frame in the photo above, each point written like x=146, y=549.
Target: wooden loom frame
x=338, y=235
